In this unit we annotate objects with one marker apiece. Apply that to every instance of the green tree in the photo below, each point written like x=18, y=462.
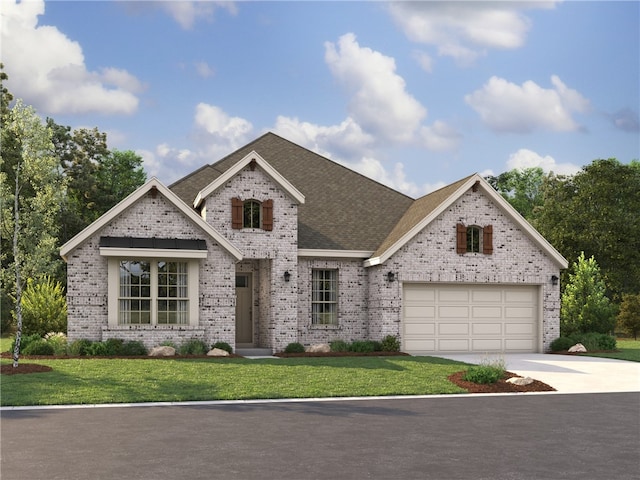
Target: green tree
x=584, y=304
x=44, y=307
x=597, y=211
x=29, y=205
x=629, y=315
x=522, y=188
x=118, y=175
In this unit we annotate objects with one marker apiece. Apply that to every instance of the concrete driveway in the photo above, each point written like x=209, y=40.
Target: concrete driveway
x=568, y=373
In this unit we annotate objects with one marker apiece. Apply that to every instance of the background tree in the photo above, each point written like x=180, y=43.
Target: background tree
x=597, y=211
x=32, y=217
x=584, y=304
x=522, y=188
x=118, y=175
x=629, y=315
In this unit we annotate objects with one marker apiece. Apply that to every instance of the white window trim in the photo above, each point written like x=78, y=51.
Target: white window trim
x=336, y=302
x=193, y=271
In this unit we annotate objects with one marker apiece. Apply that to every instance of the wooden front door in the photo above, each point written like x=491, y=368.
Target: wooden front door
x=244, y=320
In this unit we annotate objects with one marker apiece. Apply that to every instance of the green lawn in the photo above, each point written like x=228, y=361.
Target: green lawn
x=89, y=381
x=629, y=349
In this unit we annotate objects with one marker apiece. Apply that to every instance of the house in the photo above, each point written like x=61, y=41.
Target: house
x=275, y=244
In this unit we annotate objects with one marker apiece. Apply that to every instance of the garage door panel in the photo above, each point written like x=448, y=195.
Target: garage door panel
x=453, y=329
x=466, y=318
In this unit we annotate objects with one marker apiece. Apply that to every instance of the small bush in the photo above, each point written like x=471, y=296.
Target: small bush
x=193, y=347
x=339, y=346
x=594, y=341
x=483, y=374
x=80, y=347
x=169, y=343
x=113, y=346
x=97, y=349
x=562, y=343
x=38, y=347
x=25, y=340
x=134, y=348
x=223, y=346
x=362, y=346
x=294, y=347
x=44, y=307
x=58, y=341
x=390, y=343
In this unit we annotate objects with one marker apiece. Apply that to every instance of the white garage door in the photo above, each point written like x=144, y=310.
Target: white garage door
x=465, y=318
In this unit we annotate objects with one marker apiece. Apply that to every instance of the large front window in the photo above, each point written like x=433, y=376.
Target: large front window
x=153, y=292
x=324, y=297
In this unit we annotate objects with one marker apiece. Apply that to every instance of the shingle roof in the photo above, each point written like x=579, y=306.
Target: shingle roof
x=343, y=210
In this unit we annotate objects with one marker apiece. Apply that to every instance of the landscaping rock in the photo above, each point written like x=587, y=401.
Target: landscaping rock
x=520, y=380
x=318, y=348
x=217, y=352
x=577, y=348
x=163, y=351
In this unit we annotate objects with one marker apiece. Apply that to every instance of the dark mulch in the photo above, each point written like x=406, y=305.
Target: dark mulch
x=9, y=369
x=339, y=354
x=501, y=386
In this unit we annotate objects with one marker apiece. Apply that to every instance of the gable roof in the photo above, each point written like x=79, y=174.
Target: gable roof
x=342, y=210
x=230, y=173
x=152, y=184
x=425, y=209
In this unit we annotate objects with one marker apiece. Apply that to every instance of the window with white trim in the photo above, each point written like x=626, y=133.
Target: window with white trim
x=324, y=297
x=153, y=291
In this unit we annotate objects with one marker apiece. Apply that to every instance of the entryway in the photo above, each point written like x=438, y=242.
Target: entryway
x=244, y=314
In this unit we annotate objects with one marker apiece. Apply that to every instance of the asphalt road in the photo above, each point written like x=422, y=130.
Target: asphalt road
x=588, y=436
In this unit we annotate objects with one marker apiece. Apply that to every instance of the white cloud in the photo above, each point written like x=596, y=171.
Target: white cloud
x=525, y=158
x=380, y=103
x=204, y=70
x=507, y=107
x=424, y=60
x=187, y=13
x=465, y=30
x=220, y=126
x=440, y=136
x=48, y=70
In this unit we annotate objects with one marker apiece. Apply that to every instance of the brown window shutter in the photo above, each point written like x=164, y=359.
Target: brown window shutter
x=487, y=240
x=461, y=238
x=267, y=215
x=236, y=213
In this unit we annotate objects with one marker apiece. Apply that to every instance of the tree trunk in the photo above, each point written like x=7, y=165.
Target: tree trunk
x=16, y=259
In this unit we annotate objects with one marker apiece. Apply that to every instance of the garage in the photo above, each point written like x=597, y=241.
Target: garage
x=470, y=318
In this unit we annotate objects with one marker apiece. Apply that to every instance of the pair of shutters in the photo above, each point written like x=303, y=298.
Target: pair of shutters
x=237, y=214
x=461, y=239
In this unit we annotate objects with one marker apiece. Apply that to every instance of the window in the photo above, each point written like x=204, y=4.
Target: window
x=324, y=297
x=470, y=239
x=153, y=292
x=251, y=214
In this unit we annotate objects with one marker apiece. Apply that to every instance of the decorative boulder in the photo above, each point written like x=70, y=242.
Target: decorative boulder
x=164, y=351
x=578, y=348
x=318, y=348
x=520, y=380
x=217, y=352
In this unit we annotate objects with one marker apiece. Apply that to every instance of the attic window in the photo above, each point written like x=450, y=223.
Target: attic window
x=474, y=239
x=251, y=214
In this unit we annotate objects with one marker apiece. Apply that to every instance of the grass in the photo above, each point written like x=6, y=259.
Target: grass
x=94, y=381
x=629, y=350
x=5, y=343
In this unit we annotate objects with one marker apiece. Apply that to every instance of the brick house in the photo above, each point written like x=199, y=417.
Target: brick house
x=275, y=244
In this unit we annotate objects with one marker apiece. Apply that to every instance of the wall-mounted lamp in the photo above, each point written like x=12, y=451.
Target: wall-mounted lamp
x=554, y=280
x=391, y=277
x=287, y=276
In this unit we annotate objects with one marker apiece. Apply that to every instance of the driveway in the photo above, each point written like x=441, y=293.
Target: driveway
x=568, y=373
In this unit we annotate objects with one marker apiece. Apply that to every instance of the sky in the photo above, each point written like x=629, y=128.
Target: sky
x=415, y=95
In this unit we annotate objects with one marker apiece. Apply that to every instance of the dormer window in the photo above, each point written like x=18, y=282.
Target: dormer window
x=474, y=239
x=252, y=214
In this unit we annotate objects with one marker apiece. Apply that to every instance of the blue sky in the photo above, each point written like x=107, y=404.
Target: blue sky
x=415, y=95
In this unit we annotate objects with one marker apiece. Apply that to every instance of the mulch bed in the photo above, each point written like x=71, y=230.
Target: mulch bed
x=23, y=368
x=339, y=354
x=501, y=386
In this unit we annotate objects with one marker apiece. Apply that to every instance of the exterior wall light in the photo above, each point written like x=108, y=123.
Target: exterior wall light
x=554, y=280
x=391, y=277
x=287, y=276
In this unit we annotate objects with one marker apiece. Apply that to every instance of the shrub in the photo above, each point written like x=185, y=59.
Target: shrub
x=629, y=315
x=223, y=346
x=561, y=344
x=97, y=349
x=193, y=347
x=58, y=341
x=80, y=347
x=362, y=346
x=294, y=347
x=339, y=346
x=44, y=307
x=38, y=347
x=113, y=346
x=483, y=374
x=134, y=348
x=169, y=343
x=594, y=341
x=390, y=343
x=25, y=340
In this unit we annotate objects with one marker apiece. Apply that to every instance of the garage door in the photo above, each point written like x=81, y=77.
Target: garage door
x=464, y=318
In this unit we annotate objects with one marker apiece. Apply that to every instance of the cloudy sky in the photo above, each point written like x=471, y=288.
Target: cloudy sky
x=415, y=95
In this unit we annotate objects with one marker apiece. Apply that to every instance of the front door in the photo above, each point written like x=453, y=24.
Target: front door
x=244, y=322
